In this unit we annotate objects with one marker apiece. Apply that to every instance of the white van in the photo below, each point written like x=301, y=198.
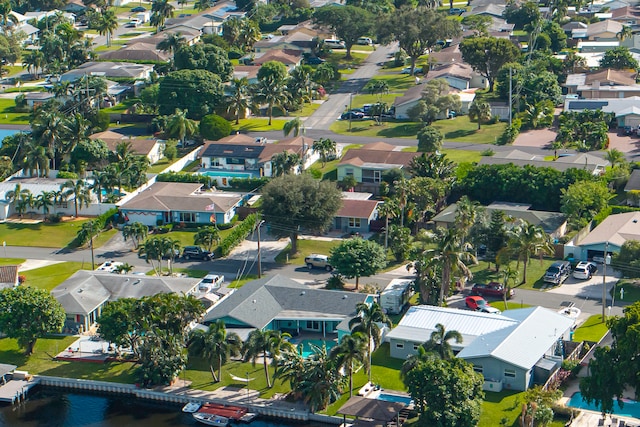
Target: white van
x=366, y=41
x=334, y=44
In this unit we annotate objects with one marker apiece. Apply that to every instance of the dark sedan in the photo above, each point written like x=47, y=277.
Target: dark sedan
x=491, y=289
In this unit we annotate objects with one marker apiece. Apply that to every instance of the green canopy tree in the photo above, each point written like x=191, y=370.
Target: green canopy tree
x=487, y=55
x=347, y=22
x=27, y=314
x=358, y=257
x=197, y=91
x=582, y=201
x=619, y=58
x=429, y=139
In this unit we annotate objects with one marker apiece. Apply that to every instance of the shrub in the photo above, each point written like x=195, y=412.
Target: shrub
x=237, y=235
x=184, y=177
x=67, y=175
x=102, y=121
x=163, y=229
x=488, y=152
x=248, y=184
x=336, y=281
x=53, y=218
x=214, y=127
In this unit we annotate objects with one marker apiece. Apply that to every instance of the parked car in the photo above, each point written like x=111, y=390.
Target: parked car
x=138, y=9
x=210, y=281
x=477, y=303
x=456, y=11
x=318, y=261
x=334, y=44
x=407, y=70
x=492, y=289
x=109, y=266
x=196, y=252
x=314, y=60
x=353, y=115
x=558, y=272
x=584, y=270
x=366, y=41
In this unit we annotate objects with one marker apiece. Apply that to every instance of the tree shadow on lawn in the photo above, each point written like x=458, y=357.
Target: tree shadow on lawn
x=400, y=131
x=459, y=133
x=16, y=226
x=93, y=371
x=13, y=357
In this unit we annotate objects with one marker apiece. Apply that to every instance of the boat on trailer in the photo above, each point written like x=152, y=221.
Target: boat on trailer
x=210, y=419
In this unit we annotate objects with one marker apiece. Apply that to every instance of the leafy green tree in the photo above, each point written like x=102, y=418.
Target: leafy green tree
x=150, y=97
x=180, y=126
x=586, y=129
x=447, y=393
x=556, y=34
x=438, y=342
x=215, y=344
x=480, y=112
x=27, y=314
x=197, y=91
x=521, y=14
x=618, y=58
x=368, y=321
x=432, y=165
x=271, y=86
x=214, y=127
x=581, y=201
x=170, y=150
x=351, y=350
x=204, y=57
x=358, y=257
x=496, y=234
x=429, y=139
x=348, y=23
x=118, y=326
x=295, y=202
x=400, y=242
x=487, y=55
x=207, y=236
x=284, y=163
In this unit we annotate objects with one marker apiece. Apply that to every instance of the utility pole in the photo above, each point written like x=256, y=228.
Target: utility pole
x=510, y=95
x=93, y=263
x=350, y=113
x=604, y=283
x=259, y=252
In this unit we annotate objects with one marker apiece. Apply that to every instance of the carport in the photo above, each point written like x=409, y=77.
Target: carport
x=375, y=412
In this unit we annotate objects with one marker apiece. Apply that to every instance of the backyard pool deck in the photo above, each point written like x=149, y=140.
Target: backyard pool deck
x=86, y=349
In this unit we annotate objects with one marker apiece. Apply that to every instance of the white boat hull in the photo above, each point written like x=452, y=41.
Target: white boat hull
x=211, y=419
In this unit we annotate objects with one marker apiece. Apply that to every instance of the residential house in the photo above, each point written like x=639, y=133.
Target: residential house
x=613, y=5
x=627, y=15
x=604, y=30
x=300, y=145
x=152, y=149
x=495, y=12
x=553, y=223
x=634, y=182
x=607, y=83
x=403, y=104
x=626, y=110
x=368, y=164
x=191, y=35
x=585, y=161
x=248, y=71
x=109, y=70
x=207, y=22
x=280, y=303
x=357, y=213
x=75, y=7
x=592, y=47
x=84, y=294
x=36, y=99
x=177, y=202
x=302, y=39
x=447, y=55
x=459, y=76
x=289, y=57
x=575, y=29
x=137, y=51
x=9, y=276
x=512, y=350
x=611, y=233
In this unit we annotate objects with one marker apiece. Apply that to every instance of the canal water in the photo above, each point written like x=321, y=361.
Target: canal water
x=51, y=407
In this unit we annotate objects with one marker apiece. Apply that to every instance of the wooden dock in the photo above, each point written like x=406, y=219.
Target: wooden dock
x=15, y=390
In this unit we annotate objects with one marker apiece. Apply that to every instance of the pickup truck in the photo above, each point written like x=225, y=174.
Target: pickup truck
x=210, y=282
x=491, y=289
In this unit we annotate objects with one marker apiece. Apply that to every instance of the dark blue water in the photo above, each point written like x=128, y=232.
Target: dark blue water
x=49, y=407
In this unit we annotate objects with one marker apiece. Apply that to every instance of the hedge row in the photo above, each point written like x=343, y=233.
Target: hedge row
x=237, y=235
x=249, y=184
x=612, y=210
x=183, y=177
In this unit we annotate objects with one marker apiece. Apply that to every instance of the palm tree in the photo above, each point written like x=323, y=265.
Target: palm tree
x=378, y=88
x=124, y=268
x=326, y=149
x=152, y=251
x=33, y=62
x=272, y=92
x=169, y=248
x=238, y=101
x=215, y=344
x=291, y=368
x=264, y=343
x=35, y=159
x=526, y=240
x=201, y=5
x=161, y=10
x=76, y=128
x=80, y=192
x=48, y=128
x=23, y=203
x=101, y=182
x=321, y=382
x=615, y=157
x=5, y=12
x=413, y=360
x=172, y=43
x=207, y=236
x=295, y=126
x=107, y=24
x=625, y=33
x=137, y=231
x=249, y=34
x=366, y=322
x=44, y=200
x=351, y=349
x=180, y=126
x=284, y=163
x=480, y=111
x=388, y=209
x=13, y=196
x=439, y=342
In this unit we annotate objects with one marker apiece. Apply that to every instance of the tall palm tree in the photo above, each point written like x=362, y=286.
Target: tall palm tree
x=44, y=200
x=48, y=129
x=180, y=126
x=137, y=231
x=249, y=34
x=215, y=344
x=35, y=159
x=171, y=43
x=169, y=248
x=201, y=5
x=7, y=17
x=207, y=236
x=13, y=196
x=625, y=33
x=264, y=344
x=107, y=24
x=272, y=92
x=79, y=191
x=34, y=61
x=321, y=382
x=238, y=101
x=326, y=149
x=366, y=322
x=439, y=342
x=351, y=350
x=161, y=10
x=76, y=128
x=152, y=251
x=467, y=213
x=480, y=111
x=296, y=126
x=615, y=157
x=284, y=163
x=101, y=182
x=526, y=240
x=24, y=203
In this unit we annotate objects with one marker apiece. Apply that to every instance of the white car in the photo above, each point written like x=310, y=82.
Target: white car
x=407, y=70
x=584, y=270
x=109, y=266
x=209, y=282
x=334, y=44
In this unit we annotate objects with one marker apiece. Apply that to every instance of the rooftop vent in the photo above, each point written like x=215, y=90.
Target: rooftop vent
x=302, y=293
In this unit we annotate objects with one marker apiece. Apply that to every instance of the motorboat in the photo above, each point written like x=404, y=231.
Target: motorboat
x=191, y=407
x=210, y=419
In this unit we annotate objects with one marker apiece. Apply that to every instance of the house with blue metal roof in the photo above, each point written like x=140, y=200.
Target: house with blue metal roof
x=513, y=350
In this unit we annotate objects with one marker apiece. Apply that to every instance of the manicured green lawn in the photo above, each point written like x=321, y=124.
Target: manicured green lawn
x=238, y=283
x=8, y=114
x=190, y=272
x=396, y=82
x=10, y=70
x=505, y=405
x=329, y=169
x=305, y=248
x=258, y=124
x=24, y=89
x=11, y=261
x=461, y=129
x=591, y=330
x=43, y=235
x=122, y=106
x=338, y=57
x=307, y=109
x=160, y=165
x=631, y=290
x=52, y=275
x=359, y=100
x=453, y=154
x=535, y=271
x=104, y=237
x=370, y=128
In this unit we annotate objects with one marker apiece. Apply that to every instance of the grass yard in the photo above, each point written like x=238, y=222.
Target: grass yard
x=10, y=70
x=370, y=128
x=359, y=100
x=104, y=237
x=258, y=125
x=535, y=271
x=11, y=261
x=505, y=405
x=190, y=272
x=338, y=57
x=461, y=129
x=306, y=110
x=591, y=330
x=24, y=89
x=396, y=82
x=631, y=290
x=453, y=154
x=9, y=115
x=42, y=235
x=238, y=283
x=123, y=106
x=305, y=248
x=329, y=169
x=160, y=165
x=52, y=275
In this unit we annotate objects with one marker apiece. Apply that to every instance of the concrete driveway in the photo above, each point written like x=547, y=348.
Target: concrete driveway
x=588, y=289
x=540, y=138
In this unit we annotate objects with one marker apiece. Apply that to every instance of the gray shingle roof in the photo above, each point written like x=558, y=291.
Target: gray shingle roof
x=259, y=302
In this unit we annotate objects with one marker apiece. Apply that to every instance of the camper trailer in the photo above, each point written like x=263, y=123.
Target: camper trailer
x=396, y=295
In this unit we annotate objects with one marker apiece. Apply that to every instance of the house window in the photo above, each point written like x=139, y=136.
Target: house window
x=348, y=171
x=478, y=369
x=377, y=176
x=399, y=345
x=313, y=325
x=187, y=217
x=510, y=373
x=416, y=347
x=354, y=222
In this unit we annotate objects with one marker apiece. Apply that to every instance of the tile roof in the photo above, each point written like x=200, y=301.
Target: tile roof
x=459, y=70
x=141, y=147
x=294, y=145
x=287, y=58
x=619, y=77
x=615, y=229
x=137, y=51
x=606, y=26
x=8, y=276
x=357, y=208
x=634, y=181
x=361, y=156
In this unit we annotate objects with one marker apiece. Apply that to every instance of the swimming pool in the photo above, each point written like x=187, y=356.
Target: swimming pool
x=305, y=349
x=8, y=132
x=630, y=408
x=407, y=400
x=228, y=174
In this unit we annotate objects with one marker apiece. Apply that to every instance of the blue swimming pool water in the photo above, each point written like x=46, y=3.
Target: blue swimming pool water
x=305, y=350
x=394, y=398
x=630, y=408
x=228, y=174
x=7, y=132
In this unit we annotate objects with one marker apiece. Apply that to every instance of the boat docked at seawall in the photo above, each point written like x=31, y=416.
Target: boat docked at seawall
x=210, y=419
x=227, y=411
x=191, y=407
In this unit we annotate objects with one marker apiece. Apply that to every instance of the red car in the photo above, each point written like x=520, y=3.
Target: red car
x=491, y=289
x=477, y=303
